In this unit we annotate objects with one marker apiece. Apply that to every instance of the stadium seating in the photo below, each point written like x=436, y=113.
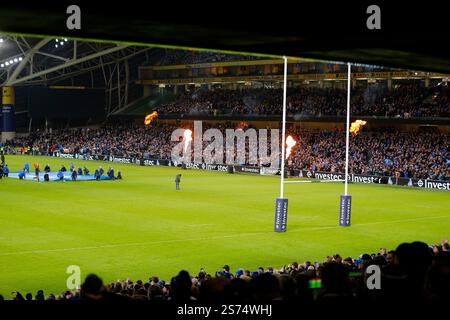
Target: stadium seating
x=406, y=101
x=412, y=154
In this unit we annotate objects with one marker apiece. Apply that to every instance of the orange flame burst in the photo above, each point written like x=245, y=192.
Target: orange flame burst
x=242, y=125
x=357, y=126
x=187, y=138
x=290, y=143
x=149, y=118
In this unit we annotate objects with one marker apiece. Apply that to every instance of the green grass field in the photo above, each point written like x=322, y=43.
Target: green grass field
x=141, y=226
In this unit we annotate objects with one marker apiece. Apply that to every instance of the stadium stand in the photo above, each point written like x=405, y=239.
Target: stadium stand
x=409, y=101
x=178, y=57
x=413, y=154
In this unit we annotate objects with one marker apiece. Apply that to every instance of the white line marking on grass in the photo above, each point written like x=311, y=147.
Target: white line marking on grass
x=132, y=244
x=116, y=245
x=200, y=225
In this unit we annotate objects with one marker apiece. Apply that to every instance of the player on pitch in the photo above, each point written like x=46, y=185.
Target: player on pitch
x=177, y=181
x=37, y=169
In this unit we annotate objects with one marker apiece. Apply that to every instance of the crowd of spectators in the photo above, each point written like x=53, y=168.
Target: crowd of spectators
x=412, y=154
x=408, y=101
x=119, y=141
x=415, y=272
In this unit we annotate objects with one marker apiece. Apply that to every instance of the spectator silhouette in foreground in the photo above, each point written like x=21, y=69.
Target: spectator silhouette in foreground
x=437, y=280
x=181, y=288
x=335, y=282
x=40, y=295
x=92, y=288
x=265, y=287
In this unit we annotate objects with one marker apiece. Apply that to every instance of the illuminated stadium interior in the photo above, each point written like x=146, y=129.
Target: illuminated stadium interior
x=84, y=104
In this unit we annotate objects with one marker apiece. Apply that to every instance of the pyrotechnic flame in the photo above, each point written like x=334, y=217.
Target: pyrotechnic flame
x=357, y=126
x=290, y=143
x=149, y=118
x=242, y=125
x=187, y=138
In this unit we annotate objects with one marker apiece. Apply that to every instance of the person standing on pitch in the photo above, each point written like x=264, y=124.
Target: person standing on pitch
x=37, y=169
x=74, y=175
x=97, y=175
x=177, y=181
x=6, y=171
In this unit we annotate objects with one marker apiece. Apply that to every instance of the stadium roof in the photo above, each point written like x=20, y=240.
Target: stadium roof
x=34, y=61
x=412, y=36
